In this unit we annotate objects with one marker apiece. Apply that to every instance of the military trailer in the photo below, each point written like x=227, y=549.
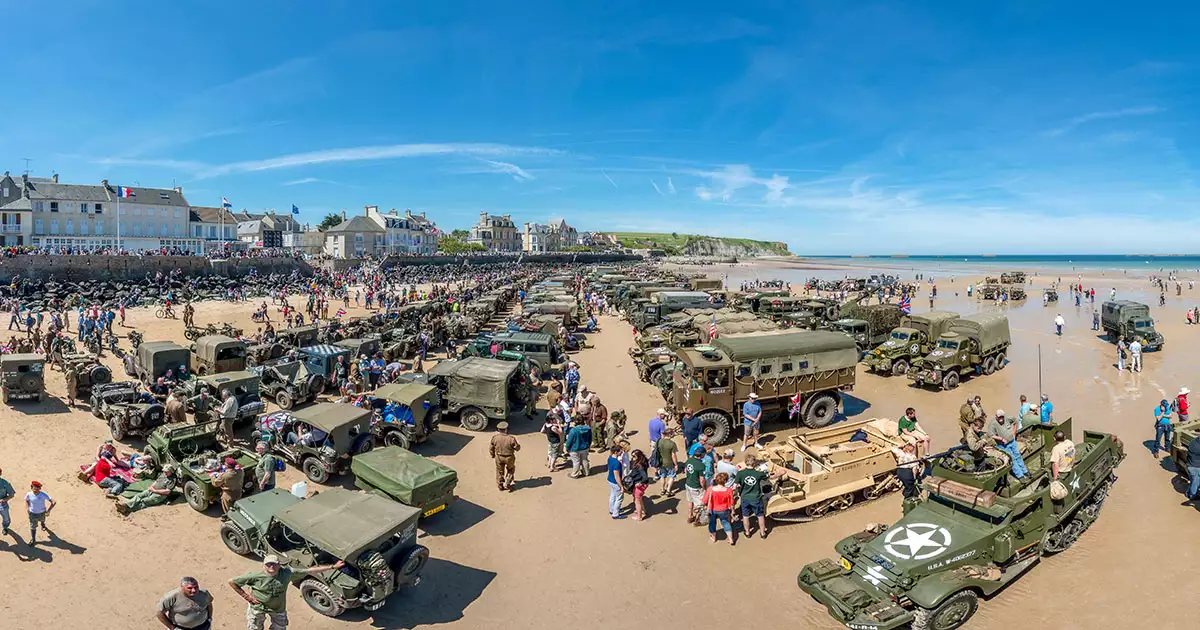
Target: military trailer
x=408, y=413
x=156, y=358
x=243, y=386
x=1012, y=277
x=914, y=338
x=24, y=377
x=973, y=534
x=976, y=342
x=198, y=457
x=825, y=471
x=716, y=380
x=1123, y=319
x=347, y=430
x=213, y=354
x=406, y=477
x=374, y=536
x=664, y=303
x=125, y=410
x=478, y=390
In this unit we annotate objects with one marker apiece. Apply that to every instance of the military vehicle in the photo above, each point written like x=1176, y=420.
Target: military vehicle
x=24, y=376
x=91, y=372
x=1049, y=295
x=568, y=311
x=156, y=358
x=914, y=338
x=198, y=457
x=347, y=430
x=213, y=354
x=409, y=413
x=1012, y=277
x=299, y=337
x=664, y=303
x=993, y=290
x=1130, y=320
x=969, y=538
x=543, y=352
x=705, y=284
x=126, y=410
x=374, y=536
x=872, y=327
x=478, y=390
x=974, y=342
x=241, y=385
x=753, y=300
x=360, y=347
x=288, y=383
x=406, y=477
x=717, y=379
x=1184, y=433
x=322, y=360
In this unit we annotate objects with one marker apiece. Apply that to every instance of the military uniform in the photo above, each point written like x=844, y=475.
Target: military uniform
x=201, y=405
x=966, y=415
x=230, y=482
x=72, y=378
x=599, y=427
x=176, y=411
x=504, y=449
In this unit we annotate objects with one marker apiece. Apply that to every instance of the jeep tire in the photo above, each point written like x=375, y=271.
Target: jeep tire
x=320, y=598
x=235, y=538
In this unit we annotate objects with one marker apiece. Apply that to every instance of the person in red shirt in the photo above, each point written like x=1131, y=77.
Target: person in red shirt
x=1181, y=404
x=719, y=500
x=103, y=476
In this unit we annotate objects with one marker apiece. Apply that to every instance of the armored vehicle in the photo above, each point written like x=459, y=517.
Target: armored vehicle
x=156, y=358
x=478, y=390
x=126, y=410
x=242, y=385
x=1012, y=277
x=335, y=433
x=1130, y=320
x=359, y=347
x=832, y=468
x=91, y=372
x=975, y=342
x=374, y=536
x=213, y=354
x=408, y=413
x=288, y=383
x=406, y=477
x=23, y=376
x=912, y=339
x=664, y=303
x=198, y=458
x=969, y=538
x=544, y=354
x=716, y=380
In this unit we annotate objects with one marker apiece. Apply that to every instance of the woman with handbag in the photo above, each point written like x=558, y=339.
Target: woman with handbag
x=639, y=475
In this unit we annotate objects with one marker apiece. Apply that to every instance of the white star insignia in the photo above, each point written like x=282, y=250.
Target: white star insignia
x=917, y=538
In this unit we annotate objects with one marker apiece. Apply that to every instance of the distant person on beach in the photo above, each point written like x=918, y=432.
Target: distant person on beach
x=1135, y=353
x=1059, y=322
x=1121, y=350
x=1095, y=320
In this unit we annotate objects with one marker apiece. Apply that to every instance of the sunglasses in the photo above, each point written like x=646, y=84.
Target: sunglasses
x=271, y=564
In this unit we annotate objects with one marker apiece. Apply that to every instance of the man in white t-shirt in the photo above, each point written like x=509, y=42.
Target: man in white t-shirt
x=1135, y=355
x=39, y=504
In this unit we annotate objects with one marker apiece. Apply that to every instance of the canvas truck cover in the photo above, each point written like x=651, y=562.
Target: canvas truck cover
x=1124, y=309
x=330, y=416
x=209, y=345
x=705, y=284
x=478, y=378
x=814, y=350
x=701, y=320
x=741, y=327
x=930, y=323
x=680, y=298
x=165, y=355
x=880, y=317
x=991, y=329
x=406, y=393
x=405, y=476
x=344, y=522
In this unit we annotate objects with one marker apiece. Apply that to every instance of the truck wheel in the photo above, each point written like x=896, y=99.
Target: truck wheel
x=396, y=437
x=821, y=411
x=900, y=368
x=989, y=365
x=1001, y=361
x=314, y=470
x=235, y=538
x=194, y=495
x=473, y=419
x=952, y=613
x=950, y=381
x=716, y=426
x=320, y=598
x=284, y=400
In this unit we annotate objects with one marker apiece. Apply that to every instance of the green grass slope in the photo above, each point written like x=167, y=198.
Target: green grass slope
x=681, y=244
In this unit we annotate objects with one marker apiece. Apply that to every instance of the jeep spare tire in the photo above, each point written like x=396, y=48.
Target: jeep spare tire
x=474, y=419
x=100, y=375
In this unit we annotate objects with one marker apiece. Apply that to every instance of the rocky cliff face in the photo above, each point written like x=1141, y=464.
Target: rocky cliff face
x=736, y=248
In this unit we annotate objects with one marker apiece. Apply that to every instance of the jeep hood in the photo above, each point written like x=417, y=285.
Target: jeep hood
x=924, y=541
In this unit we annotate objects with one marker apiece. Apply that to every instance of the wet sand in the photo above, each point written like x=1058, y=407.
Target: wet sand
x=548, y=555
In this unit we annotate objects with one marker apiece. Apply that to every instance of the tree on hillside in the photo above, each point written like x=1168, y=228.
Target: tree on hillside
x=329, y=221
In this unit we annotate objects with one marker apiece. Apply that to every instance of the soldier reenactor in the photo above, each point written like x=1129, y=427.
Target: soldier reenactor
x=72, y=378
x=201, y=404
x=504, y=449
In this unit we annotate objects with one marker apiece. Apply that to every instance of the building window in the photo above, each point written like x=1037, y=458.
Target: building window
x=70, y=226
x=177, y=213
x=38, y=227
x=99, y=226
x=53, y=206
x=163, y=212
x=39, y=206
x=83, y=226
x=137, y=211
x=178, y=230
x=54, y=226
x=99, y=208
x=137, y=229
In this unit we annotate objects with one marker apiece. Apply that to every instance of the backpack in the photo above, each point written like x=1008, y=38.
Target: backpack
x=655, y=460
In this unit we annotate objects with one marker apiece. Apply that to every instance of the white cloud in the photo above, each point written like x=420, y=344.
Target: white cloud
x=670, y=186
x=726, y=183
x=1094, y=116
x=610, y=180
x=297, y=182
x=518, y=174
x=656, y=188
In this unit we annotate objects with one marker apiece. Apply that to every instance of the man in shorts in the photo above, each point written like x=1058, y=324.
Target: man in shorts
x=694, y=481
x=751, y=421
x=668, y=461
x=750, y=482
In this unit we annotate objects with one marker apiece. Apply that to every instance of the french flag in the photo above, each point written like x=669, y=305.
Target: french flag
x=124, y=192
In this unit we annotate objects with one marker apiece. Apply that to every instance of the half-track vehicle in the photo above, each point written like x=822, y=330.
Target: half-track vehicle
x=976, y=342
x=914, y=338
x=406, y=477
x=1130, y=320
x=24, y=377
x=408, y=413
x=213, y=354
x=975, y=532
x=375, y=536
x=198, y=457
x=126, y=409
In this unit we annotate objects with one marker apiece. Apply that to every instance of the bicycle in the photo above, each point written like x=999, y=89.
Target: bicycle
x=164, y=314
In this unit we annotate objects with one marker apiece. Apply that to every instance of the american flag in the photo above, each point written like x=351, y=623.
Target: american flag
x=712, y=328
x=341, y=311
x=905, y=305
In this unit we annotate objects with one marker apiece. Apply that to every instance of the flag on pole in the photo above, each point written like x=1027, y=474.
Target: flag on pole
x=712, y=328
x=341, y=312
x=123, y=192
x=906, y=305
x=225, y=203
x=295, y=210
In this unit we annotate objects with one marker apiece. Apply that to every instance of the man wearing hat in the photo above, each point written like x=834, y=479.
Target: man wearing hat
x=504, y=449
x=267, y=592
x=39, y=505
x=1005, y=435
x=751, y=421
x=158, y=493
x=230, y=482
x=1181, y=404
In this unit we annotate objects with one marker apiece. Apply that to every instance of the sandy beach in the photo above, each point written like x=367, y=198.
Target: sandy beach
x=497, y=559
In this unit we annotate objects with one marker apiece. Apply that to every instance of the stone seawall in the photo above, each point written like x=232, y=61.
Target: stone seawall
x=80, y=268
x=558, y=259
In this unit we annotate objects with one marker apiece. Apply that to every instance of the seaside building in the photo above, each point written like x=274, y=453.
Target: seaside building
x=356, y=237
x=406, y=233
x=496, y=233
x=215, y=226
x=553, y=237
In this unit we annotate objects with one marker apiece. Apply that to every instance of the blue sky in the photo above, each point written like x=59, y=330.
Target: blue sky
x=839, y=127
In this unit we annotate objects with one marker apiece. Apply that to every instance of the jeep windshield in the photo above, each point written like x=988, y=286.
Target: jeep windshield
x=900, y=335
x=947, y=344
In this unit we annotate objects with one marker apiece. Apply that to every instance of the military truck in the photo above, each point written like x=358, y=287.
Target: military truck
x=406, y=477
x=156, y=358
x=1124, y=319
x=197, y=455
x=478, y=390
x=993, y=290
x=213, y=354
x=126, y=411
x=872, y=327
x=543, y=352
x=242, y=385
x=973, y=535
x=914, y=338
x=91, y=372
x=288, y=383
x=717, y=379
x=24, y=376
x=347, y=430
x=408, y=413
x=664, y=303
x=973, y=343
x=1012, y=277
x=299, y=337
x=376, y=538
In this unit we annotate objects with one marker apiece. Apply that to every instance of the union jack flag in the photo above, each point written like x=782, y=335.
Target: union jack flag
x=341, y=311
x=905, y=305
x=712, y=328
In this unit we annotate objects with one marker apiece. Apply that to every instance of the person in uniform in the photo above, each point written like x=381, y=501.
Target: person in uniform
x=72, y=377
x=159, y=493
x=977, y=443
x=230, y=482
x=504, y=449
x=201, y=404
x=966, y=416
x=599, y=424
x=176, y=412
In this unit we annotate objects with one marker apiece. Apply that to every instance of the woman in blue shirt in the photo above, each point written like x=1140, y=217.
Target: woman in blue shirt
x=1162, y=427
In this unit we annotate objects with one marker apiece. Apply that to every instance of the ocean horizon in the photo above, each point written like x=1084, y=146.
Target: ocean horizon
x=1016, y=262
